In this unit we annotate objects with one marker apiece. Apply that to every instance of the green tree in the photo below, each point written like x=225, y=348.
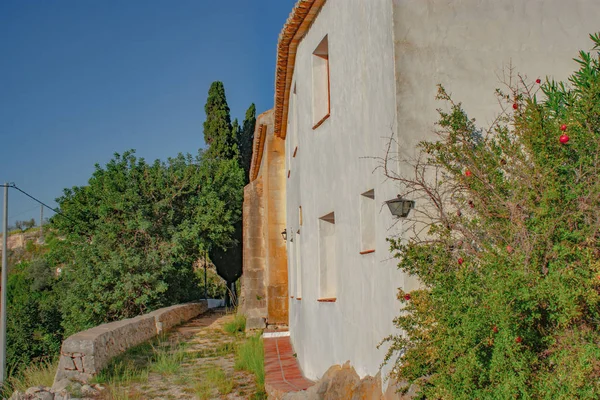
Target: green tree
x=245, y=139
x=218, y=131
x=24, y=225
x=33, y=316
x=132, y=235
x=509, y=262
x=221, y=136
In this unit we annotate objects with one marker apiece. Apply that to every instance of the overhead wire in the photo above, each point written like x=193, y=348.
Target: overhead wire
x=12, y=185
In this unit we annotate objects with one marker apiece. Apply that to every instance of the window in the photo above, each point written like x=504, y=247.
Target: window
x=320, y=76
x=292, y=128
x=294, y=122
x=292, y=259
x=327, y=273
x=298, y=268
x=367, y=222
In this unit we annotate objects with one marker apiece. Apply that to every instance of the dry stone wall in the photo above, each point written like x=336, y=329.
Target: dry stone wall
x=84, y=354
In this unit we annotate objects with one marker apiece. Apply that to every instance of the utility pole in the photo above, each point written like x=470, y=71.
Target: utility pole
x=3, y=288
x=41, y=224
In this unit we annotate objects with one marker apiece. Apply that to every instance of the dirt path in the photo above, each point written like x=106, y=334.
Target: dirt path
x=195, y=361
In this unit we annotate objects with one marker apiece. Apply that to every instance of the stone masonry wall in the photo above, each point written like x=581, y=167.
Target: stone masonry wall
x=277, y=287
x=254, y=289
x=265, y=278
x=85, y=354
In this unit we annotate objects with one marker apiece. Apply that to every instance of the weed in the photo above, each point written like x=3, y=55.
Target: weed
x=220, y=351
x=40, y=373
x=122, y=371
x=114, y=392
x=217, y=377
x=167, y=361
x=214, y=377
x=182, y=380
x=238, y=325
x=249, y=356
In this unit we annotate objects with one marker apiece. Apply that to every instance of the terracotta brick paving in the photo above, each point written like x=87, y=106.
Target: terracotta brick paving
x=282, y=372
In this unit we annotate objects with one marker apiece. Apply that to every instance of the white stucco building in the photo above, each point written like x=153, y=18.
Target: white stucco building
x=350, y=74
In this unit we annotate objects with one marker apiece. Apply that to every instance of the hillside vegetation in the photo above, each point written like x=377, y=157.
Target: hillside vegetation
x=127, y=242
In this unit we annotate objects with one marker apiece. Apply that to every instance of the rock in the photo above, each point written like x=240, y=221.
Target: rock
x=17, y=396
x=369, y=388
x=343, y=384
x=74, y=389
x=88, y=391
x=34, y=390
x=99, y=387
x=43, y=396
x=62, y=395
x=60, y=385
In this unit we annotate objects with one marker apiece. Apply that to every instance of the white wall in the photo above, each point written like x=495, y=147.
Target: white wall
x=380, y=51
x=329, y=174
x=467, y=45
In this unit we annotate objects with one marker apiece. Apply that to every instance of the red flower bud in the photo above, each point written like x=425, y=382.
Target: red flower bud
x=538, y=81
x=563, y=127
x=495, y=329
x=509, y=249
x=407, y=296
x=519, y=339
x=468, y=173
x=515, y=106
x=564, y=139
x=460, y=261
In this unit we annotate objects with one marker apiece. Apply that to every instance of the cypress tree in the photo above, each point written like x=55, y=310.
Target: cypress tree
x=245, y=138
x=236, y=132
x=218, y=131
x=221, y=137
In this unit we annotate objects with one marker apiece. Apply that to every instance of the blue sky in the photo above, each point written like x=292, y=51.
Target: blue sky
x=81, y=80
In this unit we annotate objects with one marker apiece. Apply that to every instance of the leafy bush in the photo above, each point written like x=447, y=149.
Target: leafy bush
x=510, y=258
x=216, y=286
x=33, y=318
x=132, y=235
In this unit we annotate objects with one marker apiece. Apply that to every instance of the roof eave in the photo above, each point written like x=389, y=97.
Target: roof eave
x=296, y=27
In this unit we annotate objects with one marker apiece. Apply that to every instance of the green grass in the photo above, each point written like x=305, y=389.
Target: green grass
x=167, y=361
x=213, y=377
x=220, y=380
x=122, y=372
x=115, y=392
x=131, y=366
x=39, y=373
x=221, y=350
x=238, y=325
x=250, y=357
x=135, y=365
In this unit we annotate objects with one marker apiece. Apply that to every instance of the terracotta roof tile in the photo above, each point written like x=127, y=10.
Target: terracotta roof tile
x=298, y=23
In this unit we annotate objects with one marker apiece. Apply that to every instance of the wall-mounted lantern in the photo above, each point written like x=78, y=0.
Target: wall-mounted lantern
x=284, y=235
x=400, y=207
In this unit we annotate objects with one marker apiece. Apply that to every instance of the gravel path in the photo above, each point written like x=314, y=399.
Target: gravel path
x=205, y=369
